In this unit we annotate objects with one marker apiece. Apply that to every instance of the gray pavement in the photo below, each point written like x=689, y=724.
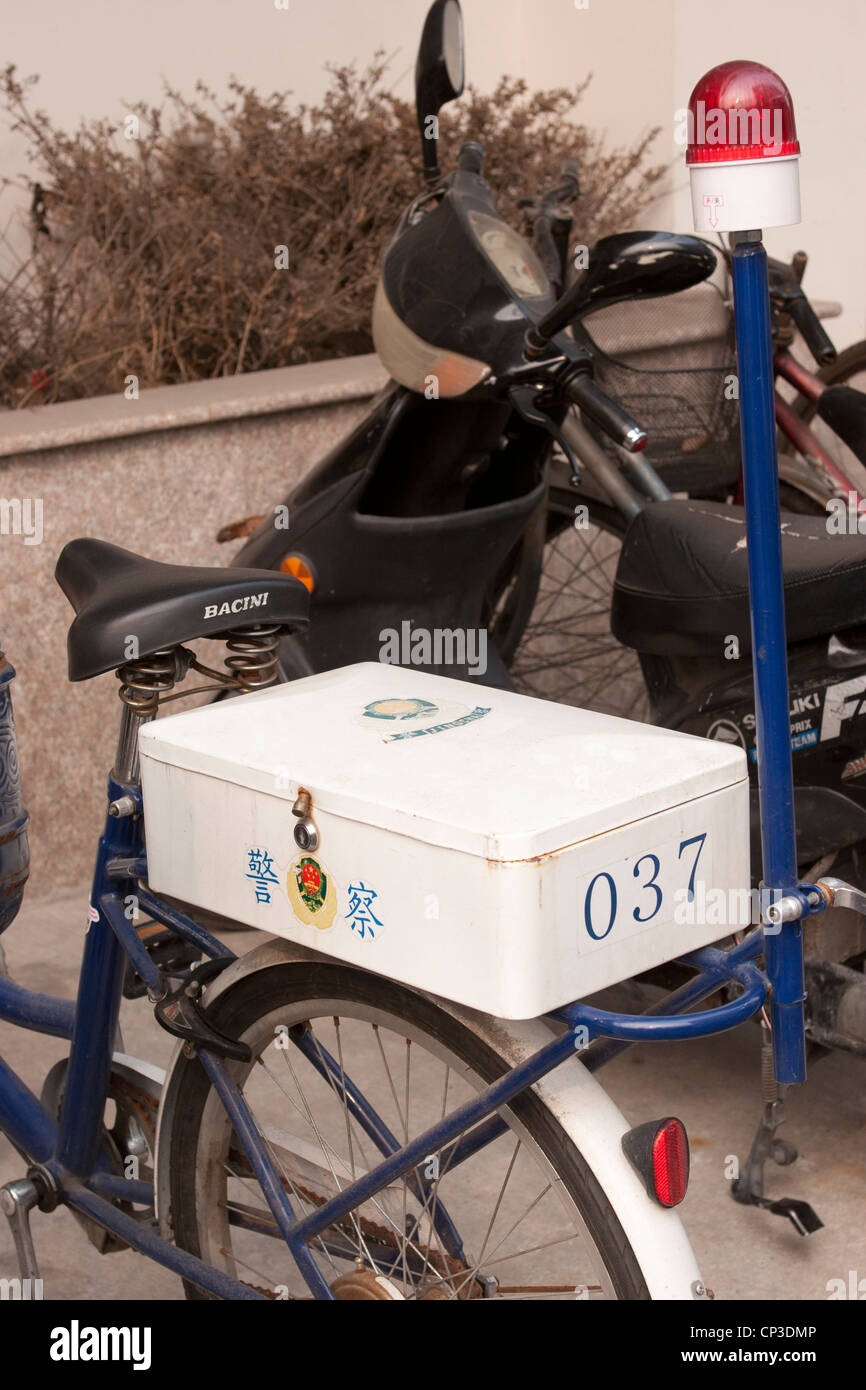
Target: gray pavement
x=712, y=1085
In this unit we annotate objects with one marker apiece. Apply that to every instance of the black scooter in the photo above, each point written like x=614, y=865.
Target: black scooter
x=427, y=511
x=424, y=530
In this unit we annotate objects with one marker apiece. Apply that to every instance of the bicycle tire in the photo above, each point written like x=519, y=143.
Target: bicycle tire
x=246, y=1011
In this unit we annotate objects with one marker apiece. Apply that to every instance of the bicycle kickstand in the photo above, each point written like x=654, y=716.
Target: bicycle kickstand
x=748, y=1188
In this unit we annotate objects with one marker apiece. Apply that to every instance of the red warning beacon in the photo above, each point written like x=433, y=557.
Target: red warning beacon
x=743, y=153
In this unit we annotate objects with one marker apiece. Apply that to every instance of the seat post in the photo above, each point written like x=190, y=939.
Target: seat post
x=126, y=764
x=142, y=682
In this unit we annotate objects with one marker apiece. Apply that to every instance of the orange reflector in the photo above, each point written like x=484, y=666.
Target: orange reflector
x=293, y=564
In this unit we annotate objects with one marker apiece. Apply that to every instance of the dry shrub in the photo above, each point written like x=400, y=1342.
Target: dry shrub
x=155, y=256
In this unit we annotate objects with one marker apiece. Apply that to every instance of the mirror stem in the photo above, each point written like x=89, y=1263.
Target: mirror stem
x=559, y=317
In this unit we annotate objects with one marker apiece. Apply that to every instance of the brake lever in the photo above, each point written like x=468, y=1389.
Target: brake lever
x=525, y=401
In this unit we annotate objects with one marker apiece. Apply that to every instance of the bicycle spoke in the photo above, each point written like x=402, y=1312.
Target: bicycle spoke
x=325, y=1155
x=388, y=1074
x=495, y=1212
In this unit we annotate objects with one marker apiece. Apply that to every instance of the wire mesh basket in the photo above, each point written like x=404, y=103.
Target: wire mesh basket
x=671, y=364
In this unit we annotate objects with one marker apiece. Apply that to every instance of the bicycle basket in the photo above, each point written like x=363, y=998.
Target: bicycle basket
x=671, y=364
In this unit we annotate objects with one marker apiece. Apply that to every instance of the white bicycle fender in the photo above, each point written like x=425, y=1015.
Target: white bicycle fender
x=584, y=1109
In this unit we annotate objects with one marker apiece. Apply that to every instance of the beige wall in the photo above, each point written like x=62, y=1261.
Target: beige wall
x=123, y=52
x=645, y=57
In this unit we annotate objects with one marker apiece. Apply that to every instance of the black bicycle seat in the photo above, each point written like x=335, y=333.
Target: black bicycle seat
x=118, y=596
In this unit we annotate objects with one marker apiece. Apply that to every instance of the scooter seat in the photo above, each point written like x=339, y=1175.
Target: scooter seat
x=118, y=595
x=682, y=584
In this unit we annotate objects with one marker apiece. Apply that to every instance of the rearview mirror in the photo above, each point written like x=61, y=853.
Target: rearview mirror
x=641, y=265
x=627, y=265
x=438, y=76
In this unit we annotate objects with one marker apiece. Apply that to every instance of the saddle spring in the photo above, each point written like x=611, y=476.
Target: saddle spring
x=254, y=655
x=251, y=664
x=144, y=680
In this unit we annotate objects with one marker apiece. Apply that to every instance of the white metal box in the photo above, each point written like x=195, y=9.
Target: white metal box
x=504, y=852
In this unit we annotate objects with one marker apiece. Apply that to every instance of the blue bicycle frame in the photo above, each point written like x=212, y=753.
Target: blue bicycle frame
x=70, y=1155
x=70, y=1152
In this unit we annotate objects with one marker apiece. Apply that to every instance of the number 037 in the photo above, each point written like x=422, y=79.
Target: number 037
x=645, y=884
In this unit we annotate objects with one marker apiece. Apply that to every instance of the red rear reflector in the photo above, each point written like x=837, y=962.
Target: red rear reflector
x=671, y=1163
x=659, y=1152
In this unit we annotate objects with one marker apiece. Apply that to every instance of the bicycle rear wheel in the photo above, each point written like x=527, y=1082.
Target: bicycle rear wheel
x=522, y=1218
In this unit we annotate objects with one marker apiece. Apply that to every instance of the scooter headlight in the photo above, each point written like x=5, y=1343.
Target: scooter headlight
x=420, y=366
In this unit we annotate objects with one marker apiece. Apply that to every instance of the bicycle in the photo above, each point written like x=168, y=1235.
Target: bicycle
x=348, y=1201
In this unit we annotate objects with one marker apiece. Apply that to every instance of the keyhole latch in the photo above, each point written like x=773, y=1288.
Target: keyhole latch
x=306, y=833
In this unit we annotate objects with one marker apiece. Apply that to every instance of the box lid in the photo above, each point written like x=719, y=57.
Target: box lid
x=468, y=767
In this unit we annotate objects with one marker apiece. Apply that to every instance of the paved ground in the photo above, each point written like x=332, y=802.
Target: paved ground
x=713, y=1085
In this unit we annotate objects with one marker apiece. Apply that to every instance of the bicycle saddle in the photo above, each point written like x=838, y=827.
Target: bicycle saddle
x=118, y=595
x=844, y=410
x=682, y=583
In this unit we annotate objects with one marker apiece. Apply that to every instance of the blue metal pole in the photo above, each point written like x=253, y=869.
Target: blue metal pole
x=783, y=945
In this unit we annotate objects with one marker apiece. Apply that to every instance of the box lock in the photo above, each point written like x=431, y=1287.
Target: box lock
x=306, y=833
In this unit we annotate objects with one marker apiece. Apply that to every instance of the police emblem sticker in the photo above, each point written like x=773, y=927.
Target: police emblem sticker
x=396, y=720
x=312, y=894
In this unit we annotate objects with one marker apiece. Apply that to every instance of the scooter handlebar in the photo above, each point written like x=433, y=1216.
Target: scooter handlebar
x=604, y=412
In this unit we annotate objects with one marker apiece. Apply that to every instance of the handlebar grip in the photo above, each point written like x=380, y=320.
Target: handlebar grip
x=605, y=413
x=570, y=174
x=811, y=330
x=470, y=157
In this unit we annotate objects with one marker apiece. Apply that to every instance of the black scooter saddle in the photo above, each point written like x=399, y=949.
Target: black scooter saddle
x=117, y=595
x=682, y=582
